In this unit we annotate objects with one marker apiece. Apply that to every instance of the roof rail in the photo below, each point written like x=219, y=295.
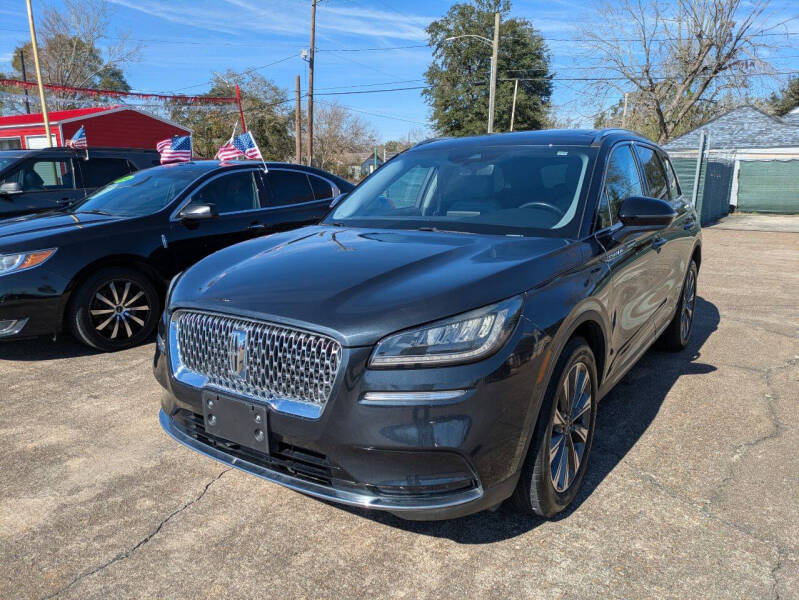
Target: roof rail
x=603, y=133
x=429, y=140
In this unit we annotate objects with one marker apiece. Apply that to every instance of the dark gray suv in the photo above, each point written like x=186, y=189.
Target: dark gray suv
x=33, y=181
x=439, y=342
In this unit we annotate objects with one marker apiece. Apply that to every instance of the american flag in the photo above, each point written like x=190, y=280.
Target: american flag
x=78, y=140
x=228, y=152
x=245, y=144
x=175, y=149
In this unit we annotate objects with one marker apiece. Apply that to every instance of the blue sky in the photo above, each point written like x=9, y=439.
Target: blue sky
x=185, y=41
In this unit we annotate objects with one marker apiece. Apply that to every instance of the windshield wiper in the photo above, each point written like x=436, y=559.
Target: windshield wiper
x=96, y=211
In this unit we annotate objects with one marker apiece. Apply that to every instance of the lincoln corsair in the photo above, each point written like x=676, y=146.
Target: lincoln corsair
x=439, y=342
x=100, y=269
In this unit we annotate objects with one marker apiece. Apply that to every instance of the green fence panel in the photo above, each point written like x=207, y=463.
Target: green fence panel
x=769, y=186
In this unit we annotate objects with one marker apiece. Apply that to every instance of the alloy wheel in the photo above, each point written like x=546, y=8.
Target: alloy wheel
x=570, y=427
x=688, y=304
x=119, y=309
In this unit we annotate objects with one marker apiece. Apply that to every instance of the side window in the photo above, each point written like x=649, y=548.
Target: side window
x=99, y=171
x=233, y=192
x=43, y=175
x=289, y=187
x=404, y=192
x=671, y=176
x=653, y=172
x=621, y=182
x=321, y=188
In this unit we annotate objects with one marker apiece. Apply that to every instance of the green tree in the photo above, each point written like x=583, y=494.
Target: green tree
x=267, y=112
x=787, y=99
x=458, y=78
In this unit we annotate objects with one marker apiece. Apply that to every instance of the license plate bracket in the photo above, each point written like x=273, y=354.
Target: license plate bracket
x=235, y=420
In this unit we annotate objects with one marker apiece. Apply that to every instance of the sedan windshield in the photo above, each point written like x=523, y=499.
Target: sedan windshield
x=139, y=194
x=516, y=190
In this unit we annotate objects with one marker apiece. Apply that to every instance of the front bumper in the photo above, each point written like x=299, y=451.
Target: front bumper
x=37, y=297
x=421, y=461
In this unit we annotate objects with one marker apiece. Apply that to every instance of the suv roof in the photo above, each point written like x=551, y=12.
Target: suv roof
x=560, y=137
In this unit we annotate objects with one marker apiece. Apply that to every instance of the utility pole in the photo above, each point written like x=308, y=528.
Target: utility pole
x=493, y=89
x=310, y=82
x=513, y=107
x=39, y=75
x=624, y=112
x=25, y=78
x=297, y=122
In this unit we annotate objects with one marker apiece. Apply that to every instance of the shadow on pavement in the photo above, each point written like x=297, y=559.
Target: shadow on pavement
x=624, y=415
x=43, y=348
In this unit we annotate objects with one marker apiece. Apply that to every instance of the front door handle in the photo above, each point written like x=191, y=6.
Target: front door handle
x=658, y=243
x=689, y=224
x=256, y=227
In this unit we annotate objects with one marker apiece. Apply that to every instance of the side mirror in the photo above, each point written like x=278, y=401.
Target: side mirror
x=198, y=212
x=10, y=187
x=337, y=200
x=646, y=213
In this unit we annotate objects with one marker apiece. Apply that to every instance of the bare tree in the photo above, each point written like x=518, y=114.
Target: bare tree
x=675, y=58
x=339, y=134
x=77, y=50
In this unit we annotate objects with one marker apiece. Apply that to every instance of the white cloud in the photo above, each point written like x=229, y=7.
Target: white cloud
x=278, y=18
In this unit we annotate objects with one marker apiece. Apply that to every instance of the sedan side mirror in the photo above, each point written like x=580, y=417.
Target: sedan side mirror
x=10, y=187
x=646, y=213
x=337, y=200
x=198, y=212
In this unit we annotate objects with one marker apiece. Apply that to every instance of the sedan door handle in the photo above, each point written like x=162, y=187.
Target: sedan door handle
x=689, y=224
x=658, y=243
x=256, y=227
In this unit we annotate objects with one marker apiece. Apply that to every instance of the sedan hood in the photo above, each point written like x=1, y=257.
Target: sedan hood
x=359, y=284
x=31, y=227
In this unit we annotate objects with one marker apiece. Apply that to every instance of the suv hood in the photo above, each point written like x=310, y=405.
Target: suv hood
x=359, y=285
x=20, y=230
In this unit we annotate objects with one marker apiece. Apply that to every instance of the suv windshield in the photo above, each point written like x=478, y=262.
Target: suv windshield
x=139, y=194
x=517, y=190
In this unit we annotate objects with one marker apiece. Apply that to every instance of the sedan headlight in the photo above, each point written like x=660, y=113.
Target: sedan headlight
x=10, y=263
x=465, y=338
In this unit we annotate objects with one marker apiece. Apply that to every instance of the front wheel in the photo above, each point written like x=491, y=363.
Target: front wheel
x=114, y=309
x=558, y=456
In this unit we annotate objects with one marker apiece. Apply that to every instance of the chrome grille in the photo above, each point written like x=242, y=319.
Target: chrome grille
x=279, y=363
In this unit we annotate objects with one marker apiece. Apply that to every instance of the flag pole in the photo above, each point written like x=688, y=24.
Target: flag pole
x=261, y=154
x=35, y=49
x=241, y=110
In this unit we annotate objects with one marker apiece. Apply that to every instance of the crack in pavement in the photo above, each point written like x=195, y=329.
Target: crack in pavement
x=778, y=427
x=140, y=543
x=775, y=586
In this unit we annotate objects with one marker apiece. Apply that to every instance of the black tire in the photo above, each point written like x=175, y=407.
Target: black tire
x=537, y=493
x=113, y=309
x=678, y=333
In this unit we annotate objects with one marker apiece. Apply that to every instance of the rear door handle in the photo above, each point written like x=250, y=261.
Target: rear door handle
x=689, y=224
x=256, y=227
x=658, y=243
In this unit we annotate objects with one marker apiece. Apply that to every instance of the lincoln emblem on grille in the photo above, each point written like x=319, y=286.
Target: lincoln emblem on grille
x=238, y=353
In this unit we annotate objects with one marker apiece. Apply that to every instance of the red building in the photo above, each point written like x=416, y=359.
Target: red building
x=115, y=126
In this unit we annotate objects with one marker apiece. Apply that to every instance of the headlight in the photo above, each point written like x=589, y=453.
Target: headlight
x=10, y=263
x=464, y=338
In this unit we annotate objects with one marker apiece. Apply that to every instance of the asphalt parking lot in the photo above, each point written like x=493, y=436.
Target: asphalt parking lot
x=692, y=491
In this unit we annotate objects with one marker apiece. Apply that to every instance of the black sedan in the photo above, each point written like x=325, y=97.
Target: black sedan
x=101, y=269
x=440, y=341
